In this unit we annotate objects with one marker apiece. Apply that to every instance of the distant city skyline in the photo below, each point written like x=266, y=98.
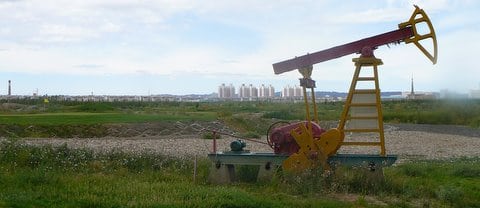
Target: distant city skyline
x=183, y=47
x=11, y=88
x=249, y=92
x=288, y=93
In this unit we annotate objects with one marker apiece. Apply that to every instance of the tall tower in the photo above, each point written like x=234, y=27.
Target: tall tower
x=412, y=92
x=9, y=87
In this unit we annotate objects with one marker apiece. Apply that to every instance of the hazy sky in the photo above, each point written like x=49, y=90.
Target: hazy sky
x=192, y=46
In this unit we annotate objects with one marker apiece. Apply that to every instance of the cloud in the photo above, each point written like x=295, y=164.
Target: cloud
x=64, y=33
x=174, y=38
x=89, y=66
x=371, y=16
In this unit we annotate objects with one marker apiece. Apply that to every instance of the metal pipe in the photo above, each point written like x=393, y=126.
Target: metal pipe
x=315, y=113
x=307, y=109
x=235, y=136
x=214, y=141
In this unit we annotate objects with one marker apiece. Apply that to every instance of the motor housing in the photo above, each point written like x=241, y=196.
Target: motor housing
x=237, y=145
x=283, y=142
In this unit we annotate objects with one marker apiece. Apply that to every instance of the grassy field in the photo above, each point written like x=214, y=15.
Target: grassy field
x=455, y=112
x=458, y=112
x=253, y=118
x=101, y=118
x=62, y=177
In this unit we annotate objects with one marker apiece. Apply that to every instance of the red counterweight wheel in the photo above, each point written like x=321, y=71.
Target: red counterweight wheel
x=272, y=127
x=281, y=140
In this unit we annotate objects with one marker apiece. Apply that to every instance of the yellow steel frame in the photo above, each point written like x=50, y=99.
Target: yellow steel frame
x=359, y=63
x=417, y=17
x=313, y=151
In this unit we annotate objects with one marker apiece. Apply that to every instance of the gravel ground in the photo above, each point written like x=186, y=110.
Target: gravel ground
x=408, y=141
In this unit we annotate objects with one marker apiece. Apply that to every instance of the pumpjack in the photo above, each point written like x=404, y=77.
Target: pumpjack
x=305, y=145
x=362, y=110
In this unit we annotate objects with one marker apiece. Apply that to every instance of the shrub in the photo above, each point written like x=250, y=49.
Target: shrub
x=209, y=135
x=63, y=158
x=95, y=107
x=283, y=115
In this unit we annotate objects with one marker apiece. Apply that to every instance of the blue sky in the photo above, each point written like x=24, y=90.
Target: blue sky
x=125, y=47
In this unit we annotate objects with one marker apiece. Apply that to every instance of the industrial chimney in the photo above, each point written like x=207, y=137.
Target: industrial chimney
x=9, y=87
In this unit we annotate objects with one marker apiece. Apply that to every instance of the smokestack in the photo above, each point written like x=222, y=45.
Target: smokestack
x=9, y=87
x=412, y=92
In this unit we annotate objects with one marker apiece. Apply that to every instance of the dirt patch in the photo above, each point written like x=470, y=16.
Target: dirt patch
x=163, y=128
x=110, y=130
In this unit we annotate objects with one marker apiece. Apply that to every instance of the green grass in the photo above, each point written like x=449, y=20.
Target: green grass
x=455, y=112
x=455, y=182
x=252, y=117
x=62, y=177
x=101, y=118
x=146, y=189
x=459, y=112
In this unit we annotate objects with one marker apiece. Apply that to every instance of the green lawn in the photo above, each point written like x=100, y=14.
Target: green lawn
x=62, y=177
x=123, y=188
x=457, y=112
x=100, y=118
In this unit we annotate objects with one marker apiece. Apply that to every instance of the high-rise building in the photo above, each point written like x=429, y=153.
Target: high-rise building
x=475, y=94
x=244, y=91
x=227, y=92
x=286, y=91
x=271, y=91
x=266, y=92
x=232, y=90
x=249, y=91
x=262, y=91
x=297, y=92
x=292, y=92
x=221, y=91
x=253, y=91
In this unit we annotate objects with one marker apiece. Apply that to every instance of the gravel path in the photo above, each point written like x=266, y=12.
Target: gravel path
x=441, y=129
x=406, y=140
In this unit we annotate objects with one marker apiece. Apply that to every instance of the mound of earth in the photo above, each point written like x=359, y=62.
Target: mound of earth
x=164, y=128
x=111, y=130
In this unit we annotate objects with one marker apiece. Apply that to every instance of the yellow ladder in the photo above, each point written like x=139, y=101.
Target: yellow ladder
x=363, y=108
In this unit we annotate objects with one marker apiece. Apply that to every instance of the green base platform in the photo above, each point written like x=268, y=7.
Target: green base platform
x=223, y=170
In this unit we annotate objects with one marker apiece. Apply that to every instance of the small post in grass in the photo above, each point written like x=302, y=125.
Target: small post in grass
x=194, y=168
x=214, y=141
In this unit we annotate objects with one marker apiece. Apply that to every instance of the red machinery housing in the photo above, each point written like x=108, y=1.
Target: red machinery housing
x=282, y=141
